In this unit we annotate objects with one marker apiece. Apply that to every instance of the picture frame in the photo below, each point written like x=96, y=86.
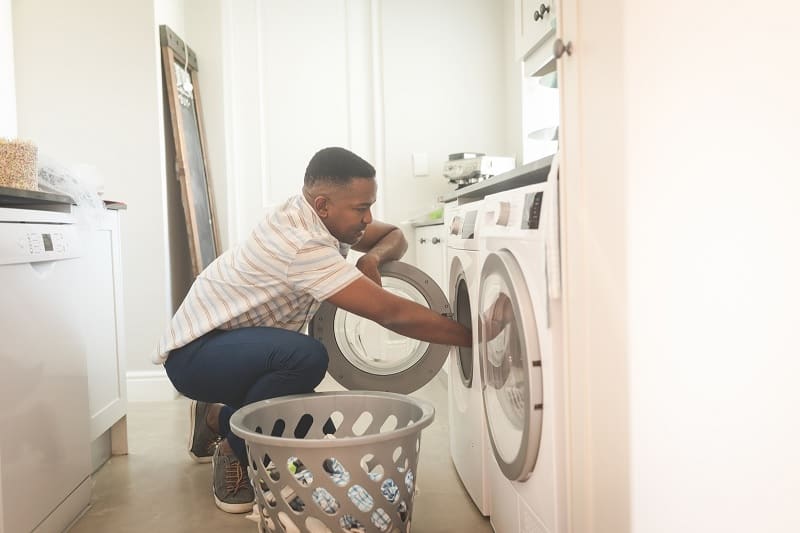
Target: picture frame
x=182, y=90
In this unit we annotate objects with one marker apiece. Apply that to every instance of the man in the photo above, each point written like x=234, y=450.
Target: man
x=236, y=338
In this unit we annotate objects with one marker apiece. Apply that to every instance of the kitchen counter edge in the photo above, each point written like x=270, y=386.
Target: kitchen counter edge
x=527, y=174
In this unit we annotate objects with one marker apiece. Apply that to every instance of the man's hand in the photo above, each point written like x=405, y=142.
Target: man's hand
x=368, y=265
x=497, y=316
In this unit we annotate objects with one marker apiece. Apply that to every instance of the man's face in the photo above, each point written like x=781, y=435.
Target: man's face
x=347, y=210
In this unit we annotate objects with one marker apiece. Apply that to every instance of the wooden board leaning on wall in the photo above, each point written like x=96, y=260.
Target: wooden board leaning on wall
x=191, y=165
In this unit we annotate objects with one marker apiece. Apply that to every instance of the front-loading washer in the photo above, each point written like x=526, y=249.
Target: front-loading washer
x=468, y=438
x=521, y=376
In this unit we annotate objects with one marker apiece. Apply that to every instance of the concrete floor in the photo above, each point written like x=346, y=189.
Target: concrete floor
x=158, y=488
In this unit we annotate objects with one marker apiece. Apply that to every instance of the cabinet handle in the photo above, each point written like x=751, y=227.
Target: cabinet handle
x=423, y=240
x=559, y=48
x=539, y=15
x=436, y=240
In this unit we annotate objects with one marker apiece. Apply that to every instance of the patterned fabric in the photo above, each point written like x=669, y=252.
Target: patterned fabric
x=276, y=277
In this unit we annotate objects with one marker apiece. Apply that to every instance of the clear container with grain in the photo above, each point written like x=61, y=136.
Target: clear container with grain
x=18, y=164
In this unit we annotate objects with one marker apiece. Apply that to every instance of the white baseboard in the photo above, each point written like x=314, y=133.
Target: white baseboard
x=150, y=386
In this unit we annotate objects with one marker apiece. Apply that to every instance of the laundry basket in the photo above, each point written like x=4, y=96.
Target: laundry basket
x=334, y=461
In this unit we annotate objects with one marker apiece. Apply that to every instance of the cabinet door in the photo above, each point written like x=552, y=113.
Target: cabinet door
x=534, y=24
x=103, y=331
x=429, y=242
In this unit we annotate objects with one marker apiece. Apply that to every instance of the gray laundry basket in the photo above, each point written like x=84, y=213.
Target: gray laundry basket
x=359, y=479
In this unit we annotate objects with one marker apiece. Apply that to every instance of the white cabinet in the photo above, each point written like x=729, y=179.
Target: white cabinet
x=104, y=335
x=429, y=243
x=534, y=23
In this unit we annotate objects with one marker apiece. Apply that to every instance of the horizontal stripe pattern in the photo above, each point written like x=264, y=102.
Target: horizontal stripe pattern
x=288, y=264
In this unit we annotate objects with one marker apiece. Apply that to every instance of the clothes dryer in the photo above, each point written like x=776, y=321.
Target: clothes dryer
x=468, y=438
x=521, y=377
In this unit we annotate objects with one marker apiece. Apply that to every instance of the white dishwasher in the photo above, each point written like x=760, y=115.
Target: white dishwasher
x=44, y=405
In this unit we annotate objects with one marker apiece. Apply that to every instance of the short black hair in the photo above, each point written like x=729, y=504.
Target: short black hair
x=336, y=165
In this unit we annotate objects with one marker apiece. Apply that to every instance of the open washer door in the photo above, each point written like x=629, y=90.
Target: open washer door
x=366, y=356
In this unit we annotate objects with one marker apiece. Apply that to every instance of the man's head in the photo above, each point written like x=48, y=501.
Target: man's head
x=341, y=188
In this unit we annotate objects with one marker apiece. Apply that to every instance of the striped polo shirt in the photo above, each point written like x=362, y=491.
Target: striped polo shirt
x=276, y=277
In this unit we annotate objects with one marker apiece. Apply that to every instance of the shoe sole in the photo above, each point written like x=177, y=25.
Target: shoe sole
x=233, y=508
x=197, y=458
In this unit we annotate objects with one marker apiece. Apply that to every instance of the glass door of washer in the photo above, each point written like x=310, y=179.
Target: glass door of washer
x=463, y=314
x=510, y=362
x=366, y=356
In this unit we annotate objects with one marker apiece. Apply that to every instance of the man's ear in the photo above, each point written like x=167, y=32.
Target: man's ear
x=321, y=206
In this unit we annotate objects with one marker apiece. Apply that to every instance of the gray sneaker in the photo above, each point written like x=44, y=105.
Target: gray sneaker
x=202, y=439
x=233, y=492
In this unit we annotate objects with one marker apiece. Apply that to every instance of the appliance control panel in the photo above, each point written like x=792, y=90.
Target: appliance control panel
x=468, y=227
x=456, y=224
x=30, y=243
x=522, y=211
x=532, y=210
x=39, y=243
x=462, y=226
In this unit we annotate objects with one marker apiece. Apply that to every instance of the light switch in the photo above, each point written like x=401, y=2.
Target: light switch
x=420, y=163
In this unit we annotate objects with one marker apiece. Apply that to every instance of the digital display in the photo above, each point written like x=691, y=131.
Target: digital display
x=468, y=230
x=48, y=242
x=533, y=210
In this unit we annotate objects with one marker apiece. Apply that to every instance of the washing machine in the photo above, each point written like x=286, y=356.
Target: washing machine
x=521, y=377
x=468, y=438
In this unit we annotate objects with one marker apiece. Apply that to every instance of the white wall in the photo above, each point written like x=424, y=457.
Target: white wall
x=90, y=92
x=172, y=13
x=711, y=121
x=204, y=33
x=8, y=100
x=444, y=81
x=513, y=87
x=360, y=74
x=289, y=73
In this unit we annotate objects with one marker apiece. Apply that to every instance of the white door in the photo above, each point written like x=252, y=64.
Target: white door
x=366, y=356
x=430, y=249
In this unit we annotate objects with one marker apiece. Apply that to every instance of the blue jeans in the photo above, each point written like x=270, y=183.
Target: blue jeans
x=245, y=365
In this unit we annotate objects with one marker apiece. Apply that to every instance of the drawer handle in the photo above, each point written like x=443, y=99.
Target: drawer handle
x=423, y=240
x=559, y=48
x=436, y=240
x=539, y=15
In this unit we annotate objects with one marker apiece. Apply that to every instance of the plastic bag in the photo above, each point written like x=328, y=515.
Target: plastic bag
x=78, y=183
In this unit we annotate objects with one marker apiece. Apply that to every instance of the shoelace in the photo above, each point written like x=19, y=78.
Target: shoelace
x=212, y=444
x=235, y=477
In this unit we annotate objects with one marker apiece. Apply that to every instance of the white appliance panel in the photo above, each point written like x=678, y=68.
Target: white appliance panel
x=44, y=460
x=515, y=236
x=468, y=438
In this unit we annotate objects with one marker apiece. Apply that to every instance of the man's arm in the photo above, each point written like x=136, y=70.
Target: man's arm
x=381, y=243
x=364, y=298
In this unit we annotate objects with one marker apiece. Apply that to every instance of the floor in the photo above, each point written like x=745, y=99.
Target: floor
x=158, y=488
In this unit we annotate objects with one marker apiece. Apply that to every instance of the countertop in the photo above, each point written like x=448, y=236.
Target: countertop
x=10, y=197
x=527, y=174
x=22, y=198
